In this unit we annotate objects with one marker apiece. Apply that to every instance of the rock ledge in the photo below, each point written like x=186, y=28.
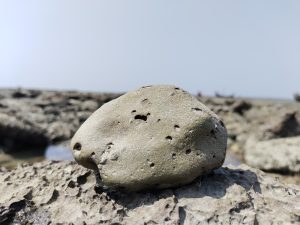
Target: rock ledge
x=63, y=192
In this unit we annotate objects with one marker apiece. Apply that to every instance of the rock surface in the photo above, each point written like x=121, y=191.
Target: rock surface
x=153, y=137
x=33, y=119
x=277, y=155
x=63, y=193
x=286, y=125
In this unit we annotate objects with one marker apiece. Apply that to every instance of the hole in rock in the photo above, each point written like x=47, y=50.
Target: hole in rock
x=174, y=156
x=145, y=100
x=152, y=165
x=17, y=206
x=214, y=156
x=71, y=184
x=222, y=123
x=188, y=151
x=82, y=179
x=133, y=111
x=109, y=145
x=141, y=117
x=213, y=133
x=176, y=127
x=77, y=146
x=196, y=109
x=169, y=138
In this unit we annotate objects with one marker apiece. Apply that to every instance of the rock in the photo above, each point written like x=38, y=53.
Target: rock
x=16, y=134
x=63, y=193
x=89, y=105
x=218, y=95
x=31, y=119
x=22, y=93
x=154, y=137
x=297, y=97
x=280, y=155
x=58, y=131
x=286, y=125
x=241, y=107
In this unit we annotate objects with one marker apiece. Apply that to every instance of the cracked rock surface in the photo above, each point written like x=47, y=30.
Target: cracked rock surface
x=63, y=193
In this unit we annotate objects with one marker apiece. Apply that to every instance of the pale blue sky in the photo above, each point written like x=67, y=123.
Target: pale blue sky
x=246, y=48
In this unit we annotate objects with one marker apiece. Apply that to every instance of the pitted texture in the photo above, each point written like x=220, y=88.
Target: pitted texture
x=63, y=193
x=154, y=137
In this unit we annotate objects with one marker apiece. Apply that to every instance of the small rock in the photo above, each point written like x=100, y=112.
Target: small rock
x=59, y=131
x=22, y=93
x=297, y=97
x=280, y=155
x=154, y=137
x=241, y=107
x=89, y=105
x=219, y=95
x=287, y=126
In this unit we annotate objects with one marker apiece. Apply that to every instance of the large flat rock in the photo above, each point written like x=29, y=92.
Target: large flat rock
x=31, y=119
x=276, y=155
x=63, y=192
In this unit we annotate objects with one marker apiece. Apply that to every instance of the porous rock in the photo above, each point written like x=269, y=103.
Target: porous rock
x=154, y=137
x=280, y=155
x=63, y=193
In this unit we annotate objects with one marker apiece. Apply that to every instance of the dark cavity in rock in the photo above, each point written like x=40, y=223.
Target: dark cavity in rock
x=77, y=146
x=141, y=117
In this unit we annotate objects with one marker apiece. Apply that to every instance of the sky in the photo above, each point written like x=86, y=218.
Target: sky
x=245, y=48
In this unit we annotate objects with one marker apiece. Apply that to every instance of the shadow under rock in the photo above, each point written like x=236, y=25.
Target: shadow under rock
x=213, y=184
x=216, y=183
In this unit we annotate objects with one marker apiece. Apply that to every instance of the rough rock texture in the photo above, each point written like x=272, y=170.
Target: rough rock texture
x=153, y=137
x=287, y=125
x=275, y=145
x=276, y=155
x=30, y=119
x=60, y=192
x=33, y=119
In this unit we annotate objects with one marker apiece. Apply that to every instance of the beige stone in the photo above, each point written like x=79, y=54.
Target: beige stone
x=153, y=137
x=280, y=155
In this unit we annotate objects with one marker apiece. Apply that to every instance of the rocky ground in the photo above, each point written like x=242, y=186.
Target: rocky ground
x=228, y=195
x=262, y=133
x=35, y=119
